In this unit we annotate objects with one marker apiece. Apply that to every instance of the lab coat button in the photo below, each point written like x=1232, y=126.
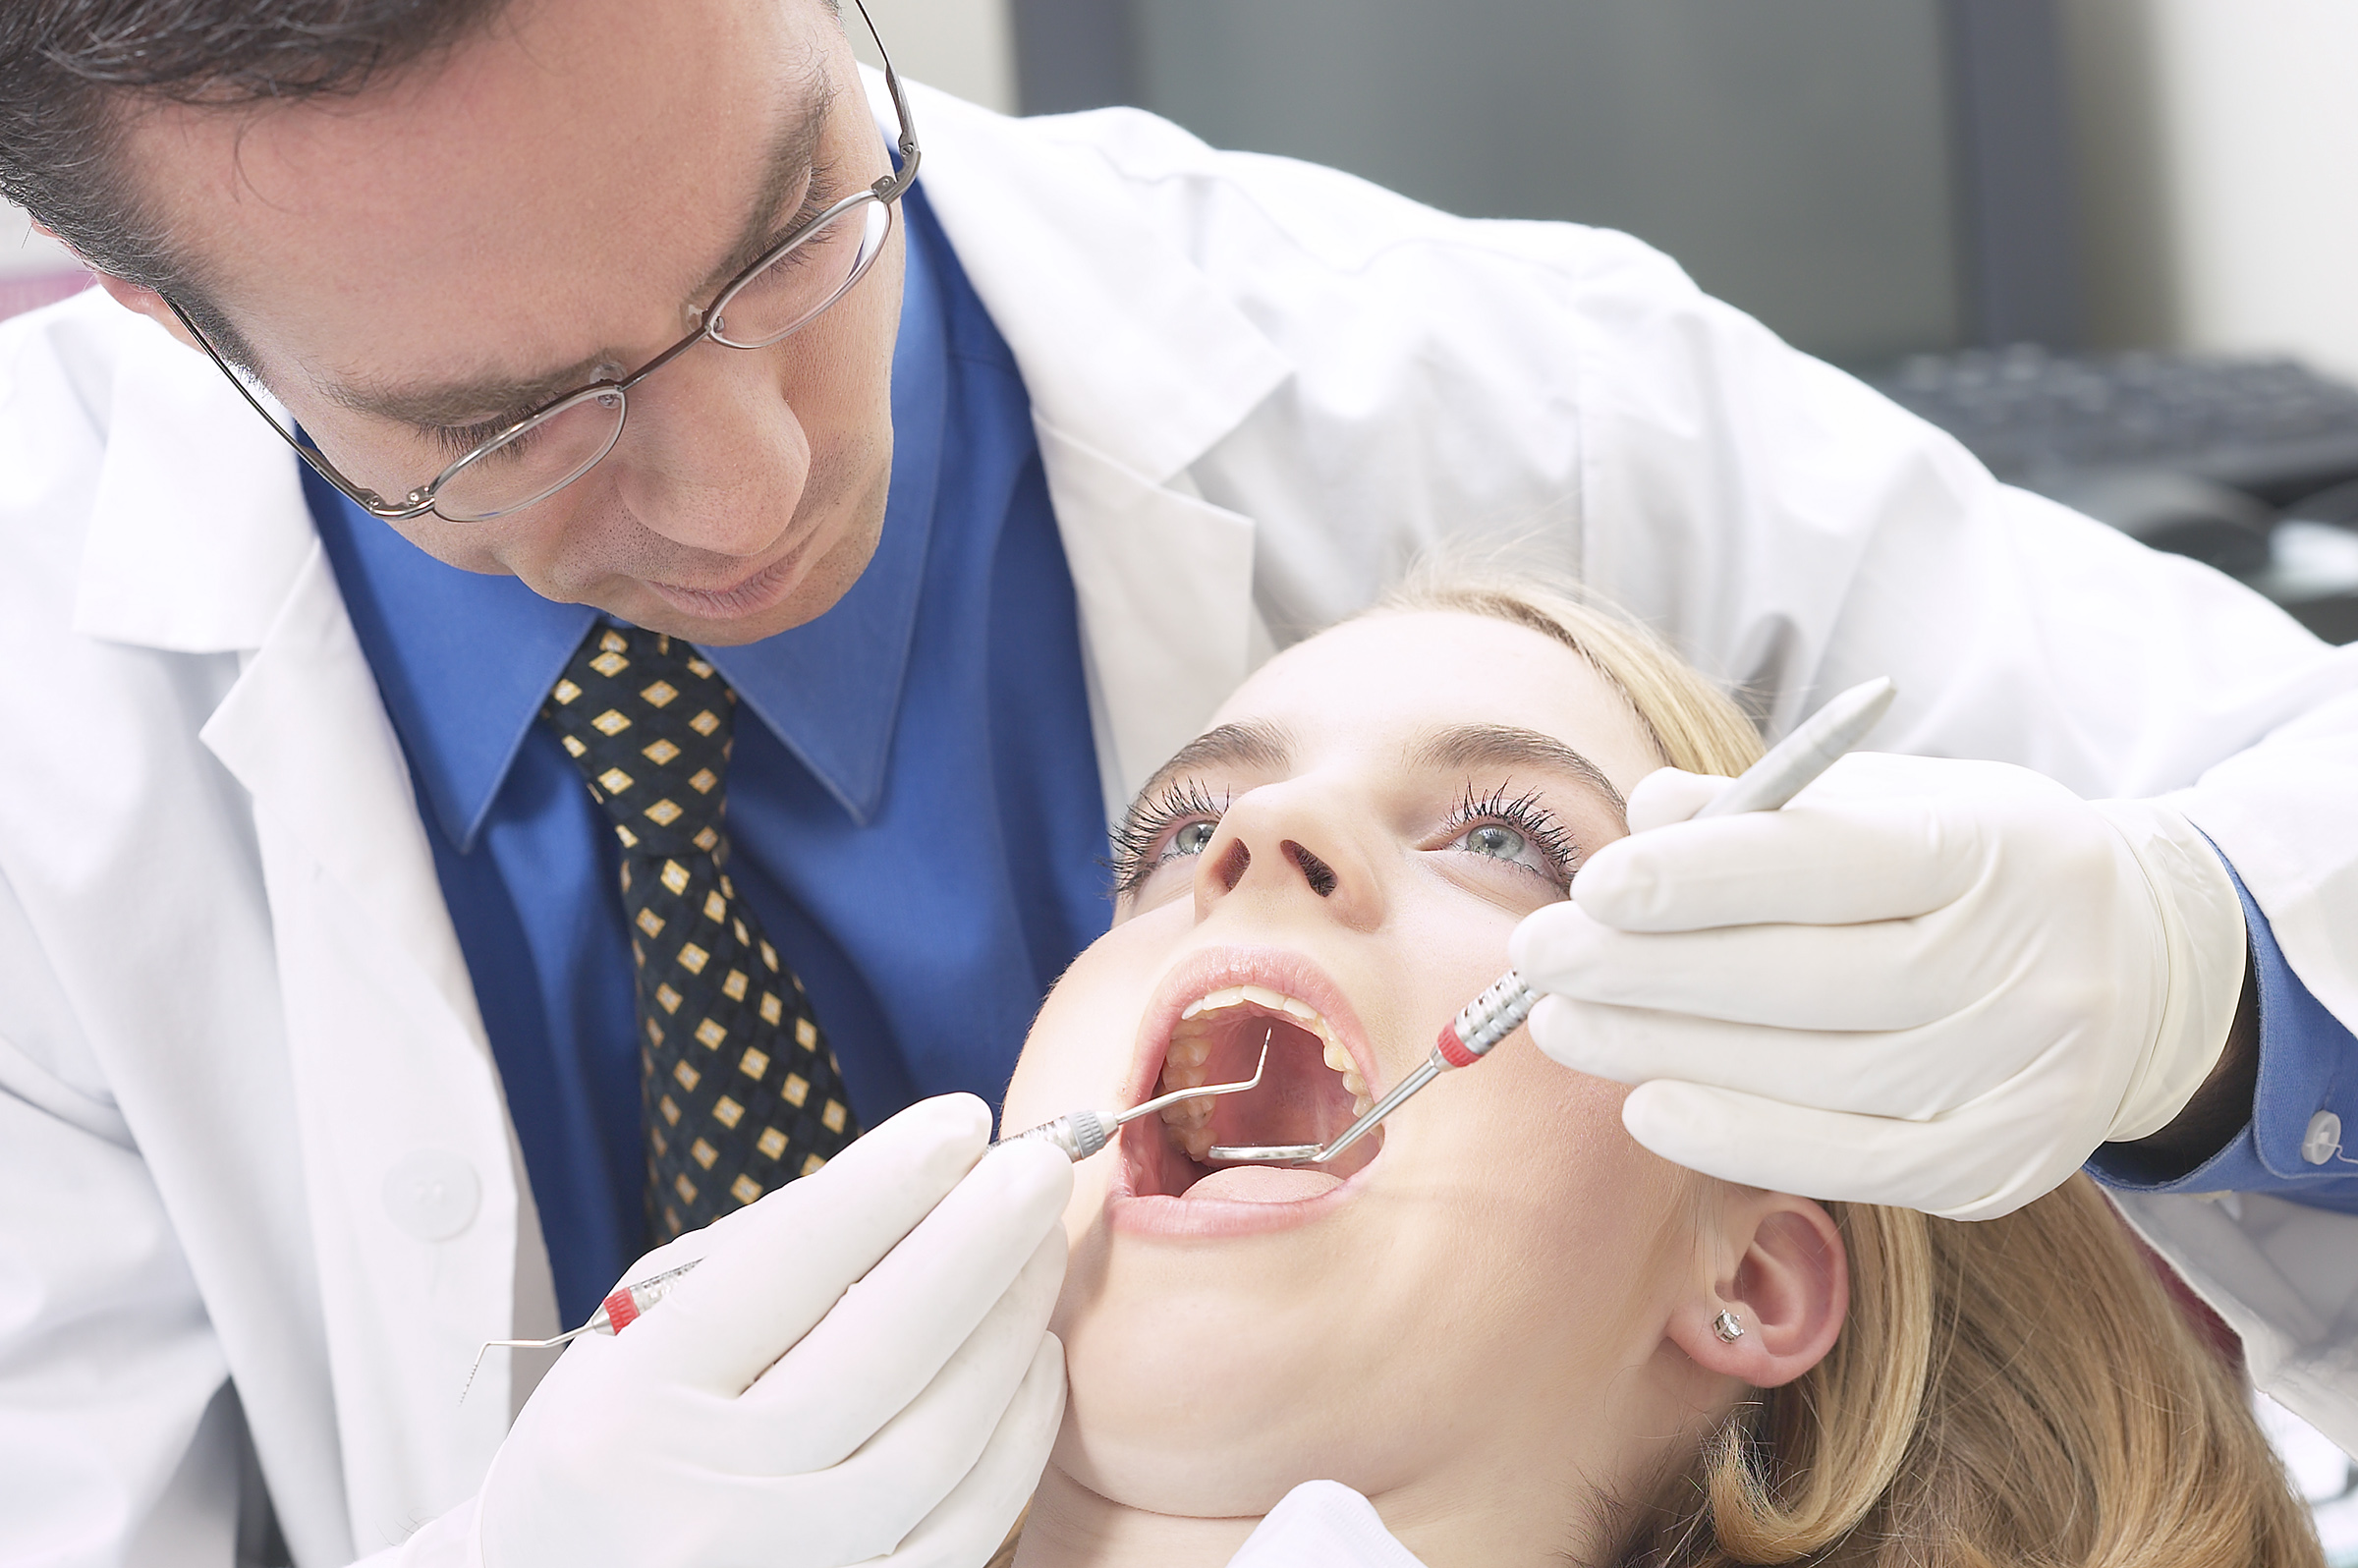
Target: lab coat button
x=2323, y=1140
x=432, y=1196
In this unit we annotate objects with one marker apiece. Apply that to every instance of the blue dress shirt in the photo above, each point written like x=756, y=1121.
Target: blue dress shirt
x=914, y=799
x=2307, y=1068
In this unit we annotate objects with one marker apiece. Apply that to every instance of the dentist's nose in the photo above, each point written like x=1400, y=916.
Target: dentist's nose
x=1279, y=843
x=711, y=456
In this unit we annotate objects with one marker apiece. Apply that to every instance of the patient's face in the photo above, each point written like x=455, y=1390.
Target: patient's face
x=1460, y=1302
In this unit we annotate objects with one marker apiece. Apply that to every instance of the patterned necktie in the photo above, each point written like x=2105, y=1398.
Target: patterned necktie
x=741, y=1094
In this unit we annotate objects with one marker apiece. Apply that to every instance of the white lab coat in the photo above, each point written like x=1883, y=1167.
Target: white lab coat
x=249, y=1127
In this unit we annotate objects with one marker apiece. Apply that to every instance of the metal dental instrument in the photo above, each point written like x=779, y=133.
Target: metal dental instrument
x=1080, y=1133
x=1785, y=772
x=614, y=1314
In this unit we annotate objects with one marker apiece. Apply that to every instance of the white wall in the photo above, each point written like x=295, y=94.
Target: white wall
x=961, y=46
x=2220, y=171
x=25, y=253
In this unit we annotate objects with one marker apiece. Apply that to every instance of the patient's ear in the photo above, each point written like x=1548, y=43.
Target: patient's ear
x=1778, y=1267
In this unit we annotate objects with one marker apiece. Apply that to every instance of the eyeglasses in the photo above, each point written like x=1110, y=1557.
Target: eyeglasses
x=528, y=459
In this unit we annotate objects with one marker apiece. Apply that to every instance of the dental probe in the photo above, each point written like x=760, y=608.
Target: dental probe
x=1080, y=1133
x=1783, y=772
x=616, y=1313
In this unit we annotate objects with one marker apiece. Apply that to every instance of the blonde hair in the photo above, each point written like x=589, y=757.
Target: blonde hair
x=2005, y=1393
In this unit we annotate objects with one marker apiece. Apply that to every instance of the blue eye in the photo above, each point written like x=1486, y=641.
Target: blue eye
x=1190, y=839
x=1177, y=821
x=1518, y=830
x=1499, y=843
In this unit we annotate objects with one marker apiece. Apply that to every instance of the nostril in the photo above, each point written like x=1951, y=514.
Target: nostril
x=1316, y=873
x=1231, y=870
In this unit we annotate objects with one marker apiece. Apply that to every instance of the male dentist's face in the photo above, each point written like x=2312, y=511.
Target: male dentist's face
x=550, y=202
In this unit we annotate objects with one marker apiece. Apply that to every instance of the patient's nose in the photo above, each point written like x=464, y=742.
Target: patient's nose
x=1272, y=846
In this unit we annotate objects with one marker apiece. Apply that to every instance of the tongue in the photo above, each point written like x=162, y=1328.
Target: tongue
x=1264, y=1183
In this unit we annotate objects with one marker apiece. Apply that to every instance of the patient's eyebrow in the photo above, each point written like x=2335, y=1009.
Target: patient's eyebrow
x=484, y=398
x=1254, y=744
x=1470, y=746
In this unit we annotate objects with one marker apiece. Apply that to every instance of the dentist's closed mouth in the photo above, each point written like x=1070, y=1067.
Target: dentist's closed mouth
x=751, y=595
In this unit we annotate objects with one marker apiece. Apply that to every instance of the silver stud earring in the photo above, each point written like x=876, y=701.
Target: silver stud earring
x=1729, y=1328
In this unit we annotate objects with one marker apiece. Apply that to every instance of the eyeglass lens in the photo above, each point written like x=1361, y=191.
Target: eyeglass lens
x=560, y=444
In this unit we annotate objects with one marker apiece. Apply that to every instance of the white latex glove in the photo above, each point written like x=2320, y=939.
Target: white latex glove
x=859, y=1370
x=1939, y=985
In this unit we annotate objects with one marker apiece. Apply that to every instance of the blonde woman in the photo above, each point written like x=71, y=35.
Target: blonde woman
x=1502, y=1332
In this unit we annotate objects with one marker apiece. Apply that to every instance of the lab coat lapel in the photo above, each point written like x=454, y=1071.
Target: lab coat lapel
x=1136, y=364
x=212, y=551
x=391, y=1069
x=1164, y=585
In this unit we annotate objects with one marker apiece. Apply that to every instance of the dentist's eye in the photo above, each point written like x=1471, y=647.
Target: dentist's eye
x=1175, y=825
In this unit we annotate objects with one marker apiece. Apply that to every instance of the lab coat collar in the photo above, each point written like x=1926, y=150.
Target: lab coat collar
x=1146, y=360
x=198, y=530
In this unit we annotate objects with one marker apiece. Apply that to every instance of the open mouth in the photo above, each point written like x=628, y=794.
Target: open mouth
x=1310, y=1090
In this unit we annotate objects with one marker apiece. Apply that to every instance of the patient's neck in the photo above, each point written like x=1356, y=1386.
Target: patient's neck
x=1070, y=1525
x=1445, y=1522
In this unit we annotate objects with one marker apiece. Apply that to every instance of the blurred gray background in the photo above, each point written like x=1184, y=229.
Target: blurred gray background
x=1726, y=132
x=1784, y=150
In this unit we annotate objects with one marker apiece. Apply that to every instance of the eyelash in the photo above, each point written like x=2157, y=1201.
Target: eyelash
x=1141, y=833
x=1526, y=815
x=459, y=440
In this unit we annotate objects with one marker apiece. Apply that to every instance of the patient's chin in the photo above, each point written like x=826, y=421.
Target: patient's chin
x=1186, y=1455
x=1209, y=1401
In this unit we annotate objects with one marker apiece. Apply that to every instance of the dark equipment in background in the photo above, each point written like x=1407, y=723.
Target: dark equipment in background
x=1888, y=184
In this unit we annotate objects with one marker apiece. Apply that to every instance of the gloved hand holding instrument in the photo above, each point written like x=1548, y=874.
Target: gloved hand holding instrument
x=855, y=1370
x=1933, y=983
x=858, y=1369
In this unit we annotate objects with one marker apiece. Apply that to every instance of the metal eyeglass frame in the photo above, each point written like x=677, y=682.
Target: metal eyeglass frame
x=886, y=191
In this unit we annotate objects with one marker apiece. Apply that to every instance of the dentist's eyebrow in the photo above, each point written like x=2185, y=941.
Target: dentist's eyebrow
x=1254, y=744
x=1486, y=745
x=440, y=405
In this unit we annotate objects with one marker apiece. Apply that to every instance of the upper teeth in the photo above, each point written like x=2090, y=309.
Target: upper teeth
x=1185, y=1064
x=1260, y=996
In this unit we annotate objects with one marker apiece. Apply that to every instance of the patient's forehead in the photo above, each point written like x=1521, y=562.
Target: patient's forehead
x=1371, y=685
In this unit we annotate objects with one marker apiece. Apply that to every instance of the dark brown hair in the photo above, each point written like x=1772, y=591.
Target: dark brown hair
x=73, y=74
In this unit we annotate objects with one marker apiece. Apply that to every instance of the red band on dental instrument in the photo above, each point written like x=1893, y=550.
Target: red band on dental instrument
x=621, y=1311
x=1453, y=1050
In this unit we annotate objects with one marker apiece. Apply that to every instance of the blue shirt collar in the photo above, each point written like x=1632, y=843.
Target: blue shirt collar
x=471, y=659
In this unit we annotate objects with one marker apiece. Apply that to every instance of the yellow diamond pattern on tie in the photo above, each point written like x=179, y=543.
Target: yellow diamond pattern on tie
x=752, y=1089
